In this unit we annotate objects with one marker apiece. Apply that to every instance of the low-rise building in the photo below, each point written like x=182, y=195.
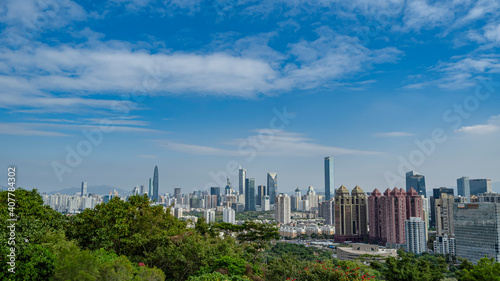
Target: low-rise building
x=371, y=252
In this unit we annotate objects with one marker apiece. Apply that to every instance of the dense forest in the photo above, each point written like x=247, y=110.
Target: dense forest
x=132, y=240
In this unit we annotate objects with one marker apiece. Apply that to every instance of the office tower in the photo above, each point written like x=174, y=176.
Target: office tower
x=84, y=189
x=416, y=241
x=477, y=230
x=242, y=178
x=228, y=215
x=150, y=190
x=261, y=192
x=282, y=209
x=216, y=191
x=463, y=187
x=228, y=190
x=209, y=215
x=350, y=215
x=417, y=182
x=250, y=194
x=155, y=186
x=436, y=194
x=329, y=177
x=272, y=186
x=142, y=190
x=295, y=200
x=177, y=194
x=478, y=186
x=444, y=215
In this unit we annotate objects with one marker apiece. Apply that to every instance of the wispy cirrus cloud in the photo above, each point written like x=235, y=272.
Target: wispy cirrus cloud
x=393, y=134
x=280, y=143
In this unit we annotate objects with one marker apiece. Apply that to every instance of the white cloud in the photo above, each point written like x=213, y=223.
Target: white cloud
x=393, y=134
x=492, y=126
x=277, y=143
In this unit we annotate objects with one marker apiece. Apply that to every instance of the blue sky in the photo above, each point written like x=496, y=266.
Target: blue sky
x=197, y=86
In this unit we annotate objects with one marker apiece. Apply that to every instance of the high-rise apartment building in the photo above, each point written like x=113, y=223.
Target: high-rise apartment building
x=242, y=178
x=436, y=194
x=463, y=187
x=388, y=213
x=209, y=215
x=282, y=209
x=250, y=194
x=228, y=215
x=350, y=215
x=477, y=230
x=155, y=185
x=416, y=241
x=272, y=186
x=445, y=245
x=329, y=177
x=84, y=189
x=444, y=215
x=417, y=182
x=327, y=211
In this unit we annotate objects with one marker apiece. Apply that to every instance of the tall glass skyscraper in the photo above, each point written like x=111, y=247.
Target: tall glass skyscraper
x=242, y=177
x=417, y=182
x=215, y=190
x=84, y=188
x=463, y=187
x=250, y=195
x=329, y=177
x=155, y=186
x=272, y=186
x=150, y=189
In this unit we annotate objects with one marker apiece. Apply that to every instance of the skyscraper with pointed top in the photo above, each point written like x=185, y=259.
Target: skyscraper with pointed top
x=329, y=177
x=272, y=186
x=155, y=186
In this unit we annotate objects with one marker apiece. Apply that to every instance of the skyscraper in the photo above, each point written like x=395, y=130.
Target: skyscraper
x=463, y=187
x=436, y=194
x=478, y=186
x=155, y=186
x=228, y=190
x=84, y=188
x=250, y=194
x=150, y=189
x=261, y=192
x=329, y=177
x=444, y=215
x=416, y=242
x=477, y=230
x=282, y=209
x=242, y=178
x=417, y=182
x=350, y=215
x=216, y=191
x=272, y=186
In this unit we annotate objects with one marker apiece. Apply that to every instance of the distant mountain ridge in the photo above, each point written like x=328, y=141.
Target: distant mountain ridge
x=95, y=189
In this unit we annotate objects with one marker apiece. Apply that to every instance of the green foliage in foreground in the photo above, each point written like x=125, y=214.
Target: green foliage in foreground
x=132, y=240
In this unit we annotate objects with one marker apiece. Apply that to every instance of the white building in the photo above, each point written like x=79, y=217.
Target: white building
x=228, y=215
x=445, y=245
x=209, y=215
x=416, y=241
x=282, y=209
x=266, y=203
